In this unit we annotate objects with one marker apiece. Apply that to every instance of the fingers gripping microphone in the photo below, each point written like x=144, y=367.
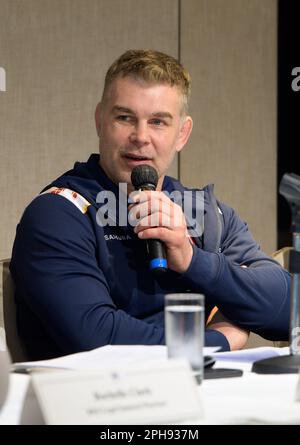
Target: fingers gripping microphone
x=144, y=177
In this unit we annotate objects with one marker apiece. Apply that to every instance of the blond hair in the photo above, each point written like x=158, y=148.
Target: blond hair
x=153, y=67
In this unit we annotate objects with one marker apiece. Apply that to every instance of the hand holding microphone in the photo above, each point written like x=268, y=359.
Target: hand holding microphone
x=145, y=177
x=161, y=223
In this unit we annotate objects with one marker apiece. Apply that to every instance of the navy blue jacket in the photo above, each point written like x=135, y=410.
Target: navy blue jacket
x=80, y=286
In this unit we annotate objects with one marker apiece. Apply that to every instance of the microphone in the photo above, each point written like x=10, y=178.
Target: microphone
x=145, y=177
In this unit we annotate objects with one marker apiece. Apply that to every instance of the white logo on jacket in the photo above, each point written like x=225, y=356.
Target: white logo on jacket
x=117, y=237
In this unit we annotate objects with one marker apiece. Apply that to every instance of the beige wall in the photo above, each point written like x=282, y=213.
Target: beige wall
x=55, y=53
x=230, y=47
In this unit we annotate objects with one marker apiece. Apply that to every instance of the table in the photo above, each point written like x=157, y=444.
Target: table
x=250, y=399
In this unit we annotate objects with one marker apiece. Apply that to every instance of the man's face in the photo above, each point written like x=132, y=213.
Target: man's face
x=140, y=123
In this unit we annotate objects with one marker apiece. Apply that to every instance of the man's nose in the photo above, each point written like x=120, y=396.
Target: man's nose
x=140, y=135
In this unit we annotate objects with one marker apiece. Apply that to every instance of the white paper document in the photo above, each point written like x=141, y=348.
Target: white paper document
x=250, y=355
x=101, y=358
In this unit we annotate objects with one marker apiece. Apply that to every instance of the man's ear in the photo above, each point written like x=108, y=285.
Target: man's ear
x=98, y=117
x=184, y=133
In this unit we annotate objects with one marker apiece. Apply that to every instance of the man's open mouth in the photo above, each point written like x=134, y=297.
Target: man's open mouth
x=136, y=157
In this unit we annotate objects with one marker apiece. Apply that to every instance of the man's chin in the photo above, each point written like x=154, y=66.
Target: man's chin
x=125, y=180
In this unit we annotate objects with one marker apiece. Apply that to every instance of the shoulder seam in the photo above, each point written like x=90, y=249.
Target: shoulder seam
x=74, y=197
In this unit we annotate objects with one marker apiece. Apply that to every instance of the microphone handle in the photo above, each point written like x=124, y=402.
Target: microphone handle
x=155, y=247
x=156, y=254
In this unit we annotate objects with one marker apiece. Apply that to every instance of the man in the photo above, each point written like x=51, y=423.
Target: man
x=81, y=283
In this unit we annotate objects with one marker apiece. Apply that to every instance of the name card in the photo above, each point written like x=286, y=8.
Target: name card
x=141, y=394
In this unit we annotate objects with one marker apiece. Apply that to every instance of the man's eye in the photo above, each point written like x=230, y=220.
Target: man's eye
x=124, y=118
x=157, y=122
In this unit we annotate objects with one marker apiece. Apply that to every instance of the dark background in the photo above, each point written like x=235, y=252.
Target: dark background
x=288, y=107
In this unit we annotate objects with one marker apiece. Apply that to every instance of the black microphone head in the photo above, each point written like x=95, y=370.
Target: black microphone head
x=144, y=175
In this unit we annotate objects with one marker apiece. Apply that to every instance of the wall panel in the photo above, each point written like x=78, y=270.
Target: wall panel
x=55, y=53
x=230, y=48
